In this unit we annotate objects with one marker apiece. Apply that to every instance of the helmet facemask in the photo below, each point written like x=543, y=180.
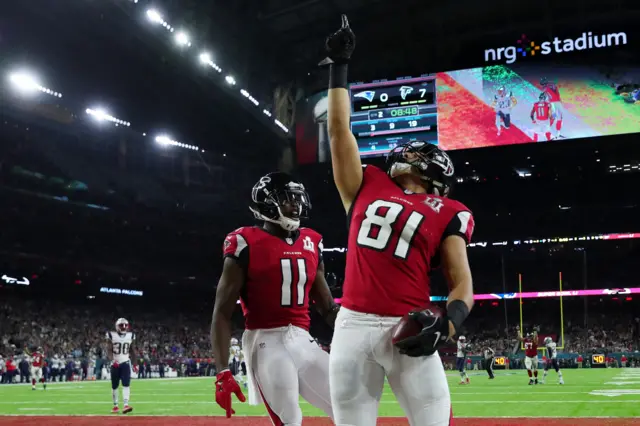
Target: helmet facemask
x=428, y=162
x=270, y=206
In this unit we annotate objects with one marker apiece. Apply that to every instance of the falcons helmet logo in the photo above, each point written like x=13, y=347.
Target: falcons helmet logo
x=404, y=91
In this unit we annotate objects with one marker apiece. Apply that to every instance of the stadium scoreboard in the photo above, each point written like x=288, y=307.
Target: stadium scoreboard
x=385, y=114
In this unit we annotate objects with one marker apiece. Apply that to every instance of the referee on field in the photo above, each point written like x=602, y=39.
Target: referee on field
x=488, y=361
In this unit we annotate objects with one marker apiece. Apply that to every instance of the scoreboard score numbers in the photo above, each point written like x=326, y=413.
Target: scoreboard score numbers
x=385, y=114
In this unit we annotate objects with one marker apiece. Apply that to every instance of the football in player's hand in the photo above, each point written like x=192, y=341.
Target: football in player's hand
x=409, y=327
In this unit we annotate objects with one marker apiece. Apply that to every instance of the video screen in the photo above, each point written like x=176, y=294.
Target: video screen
x=480, y=107
x=504, y=105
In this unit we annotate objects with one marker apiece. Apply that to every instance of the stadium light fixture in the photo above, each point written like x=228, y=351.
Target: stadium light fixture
x=230, y=80
x=205, y=58
x=267, y=113
x=248, y=96
x=154, y=16
x=282, y=126
x=101, y=115
x=182, y=39
x=165, y=140
x=27, y=83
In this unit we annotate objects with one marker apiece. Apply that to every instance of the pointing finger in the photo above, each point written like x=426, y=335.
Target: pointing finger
x=345, y=21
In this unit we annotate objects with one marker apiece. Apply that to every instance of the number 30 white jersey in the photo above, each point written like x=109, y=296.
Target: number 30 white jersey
x=121, y=344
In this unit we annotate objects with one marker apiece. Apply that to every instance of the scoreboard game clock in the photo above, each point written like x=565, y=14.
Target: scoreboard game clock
x=385, y=114
x=598, y=361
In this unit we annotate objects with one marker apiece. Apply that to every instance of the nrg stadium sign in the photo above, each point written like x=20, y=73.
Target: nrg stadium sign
x=526, y=47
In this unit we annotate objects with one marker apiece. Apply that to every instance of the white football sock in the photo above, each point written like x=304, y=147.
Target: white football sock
x=126, y=393
x=114, y=393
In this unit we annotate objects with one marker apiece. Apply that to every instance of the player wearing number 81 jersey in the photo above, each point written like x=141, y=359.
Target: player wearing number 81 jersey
x=401, y=226
x=274, y=270
x=121, y=342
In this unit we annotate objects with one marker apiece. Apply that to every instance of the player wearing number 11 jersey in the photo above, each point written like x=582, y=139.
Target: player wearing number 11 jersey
x=401, y=226
x=274, y=270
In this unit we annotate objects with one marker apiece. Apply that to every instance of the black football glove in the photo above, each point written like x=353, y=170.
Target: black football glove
x=340, y=45
x=435, y=331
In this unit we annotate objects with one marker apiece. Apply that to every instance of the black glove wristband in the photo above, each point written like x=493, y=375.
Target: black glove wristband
x=457, y=312
x=338, y=76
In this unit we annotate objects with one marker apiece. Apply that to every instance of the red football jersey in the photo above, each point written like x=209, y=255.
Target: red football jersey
x=530, y=347
x=552, y=92
x=541, y=111
x=394, y=241
x=279, y=274
x=37, y=359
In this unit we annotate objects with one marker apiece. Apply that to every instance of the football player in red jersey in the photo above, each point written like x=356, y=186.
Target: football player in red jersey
x=36, y=359
x=553, y=96
x=541, y=115
x=401, y=225
x=274, y=270
x=530, y=343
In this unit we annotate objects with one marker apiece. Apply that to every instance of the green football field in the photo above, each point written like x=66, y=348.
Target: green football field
x=589, y=396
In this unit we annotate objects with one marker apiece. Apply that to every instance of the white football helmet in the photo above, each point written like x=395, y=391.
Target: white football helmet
x=122, y=325
x=462, y=339
x=234, y=341
x=547, y=340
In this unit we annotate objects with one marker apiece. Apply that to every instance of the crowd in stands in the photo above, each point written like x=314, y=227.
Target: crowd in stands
x=75, y=332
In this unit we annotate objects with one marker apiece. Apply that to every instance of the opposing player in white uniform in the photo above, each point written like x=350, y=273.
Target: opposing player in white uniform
x=121, y=342
x=235, y=361
x=503, y=103
x=461, y=360
x=552, y=358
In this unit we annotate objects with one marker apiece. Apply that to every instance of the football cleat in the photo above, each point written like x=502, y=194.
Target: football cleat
x=530, y=381
x=115, y=409
x=536, y=382
x=468, y=380
x=561, y=382
x=463, y=382
x=127, y=409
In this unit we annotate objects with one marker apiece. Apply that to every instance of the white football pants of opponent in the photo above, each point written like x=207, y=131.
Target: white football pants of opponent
x=362, y=355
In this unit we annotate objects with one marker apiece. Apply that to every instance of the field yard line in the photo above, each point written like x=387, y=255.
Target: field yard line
x=136, y=402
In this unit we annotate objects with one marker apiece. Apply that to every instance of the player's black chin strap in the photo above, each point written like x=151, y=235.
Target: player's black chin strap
x=457, y=312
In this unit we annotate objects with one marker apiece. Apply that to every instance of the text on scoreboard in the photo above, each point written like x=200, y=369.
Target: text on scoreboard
x=387, y=113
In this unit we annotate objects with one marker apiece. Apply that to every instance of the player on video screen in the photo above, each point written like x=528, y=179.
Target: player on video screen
x=503, y=102
x=553, y=95
x=541, y=116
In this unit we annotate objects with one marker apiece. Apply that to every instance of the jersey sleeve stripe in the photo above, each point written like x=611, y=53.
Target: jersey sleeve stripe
x=241, y=245
x=464, y=221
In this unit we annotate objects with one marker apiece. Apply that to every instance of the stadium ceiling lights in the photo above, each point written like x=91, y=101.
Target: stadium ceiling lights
x=183, y=39
x=205, y=58
x=101, y=115
x=166, y=141
x=28, y=83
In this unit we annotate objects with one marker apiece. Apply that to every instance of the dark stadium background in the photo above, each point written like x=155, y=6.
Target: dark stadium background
x=88, y=205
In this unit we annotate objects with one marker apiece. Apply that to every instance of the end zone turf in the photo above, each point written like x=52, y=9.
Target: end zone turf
x=309, y=421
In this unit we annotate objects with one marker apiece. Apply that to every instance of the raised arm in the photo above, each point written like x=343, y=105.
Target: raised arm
x=227, y=296
x=345, y=157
